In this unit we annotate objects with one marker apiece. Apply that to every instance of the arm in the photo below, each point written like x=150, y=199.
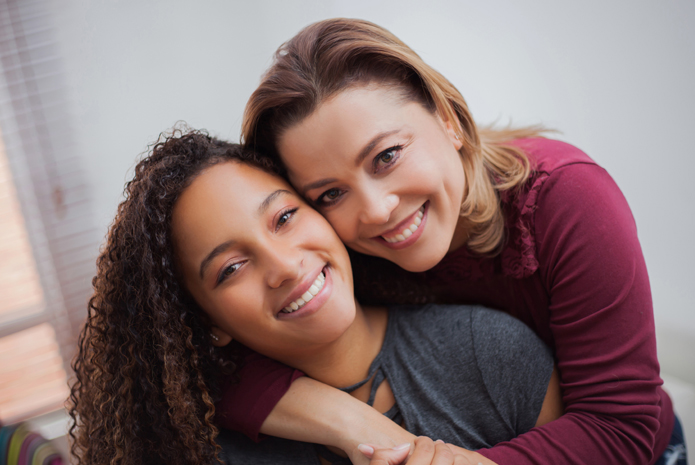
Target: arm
x=552, y=408
x=274, y=399
x=602, y=325
x=427, y=452
x=315, y=412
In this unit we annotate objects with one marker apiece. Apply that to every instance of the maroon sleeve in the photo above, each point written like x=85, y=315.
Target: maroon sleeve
x=245, y=405
x=602, y=323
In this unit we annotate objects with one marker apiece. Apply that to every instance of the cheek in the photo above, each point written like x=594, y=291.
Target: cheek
x=239, y=313
x=343, y=223
x=343, y=218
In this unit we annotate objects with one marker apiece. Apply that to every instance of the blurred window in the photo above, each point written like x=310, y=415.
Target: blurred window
x=47, y=239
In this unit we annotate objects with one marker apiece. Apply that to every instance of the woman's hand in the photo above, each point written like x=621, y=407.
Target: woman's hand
x=311, y=411
x=424, y=452
x=368, y=425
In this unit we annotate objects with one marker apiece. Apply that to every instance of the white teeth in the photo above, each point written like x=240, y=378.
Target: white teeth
x=407, y=232
x=315, y=288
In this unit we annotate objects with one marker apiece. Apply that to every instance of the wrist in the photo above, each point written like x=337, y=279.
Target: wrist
x=366, y=425
x=351, y=428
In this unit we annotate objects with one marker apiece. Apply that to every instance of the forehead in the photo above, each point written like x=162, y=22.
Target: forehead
x=358, y=111
x=230, y=185
x=221, y=200
x=357, y=104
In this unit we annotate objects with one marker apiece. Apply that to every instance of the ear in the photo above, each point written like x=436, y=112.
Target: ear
x=219, y=337
x=455, y=133
x=453, y=130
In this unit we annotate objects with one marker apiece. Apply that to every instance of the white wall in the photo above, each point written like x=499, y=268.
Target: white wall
x=616, y=77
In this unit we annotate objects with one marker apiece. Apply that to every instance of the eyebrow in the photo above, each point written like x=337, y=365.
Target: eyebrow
x=373, y=143
x=268, y=200
x=215, y=252
x=366, y=150
x=226, y=245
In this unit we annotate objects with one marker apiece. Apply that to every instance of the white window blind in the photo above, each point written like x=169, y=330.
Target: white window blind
x=49, y=242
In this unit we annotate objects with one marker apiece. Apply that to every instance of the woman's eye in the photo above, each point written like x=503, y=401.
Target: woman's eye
x=387, y=157
x=228, y=271
x=285, y=217
x=329, y=197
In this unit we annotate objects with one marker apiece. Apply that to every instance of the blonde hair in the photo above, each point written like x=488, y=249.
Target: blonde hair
x=332, y=55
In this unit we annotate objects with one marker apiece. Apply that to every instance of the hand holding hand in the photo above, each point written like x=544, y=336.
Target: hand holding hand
x=424, y=452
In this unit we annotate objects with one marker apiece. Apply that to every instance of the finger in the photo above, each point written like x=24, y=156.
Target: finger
x=394, y=456
x=443, y=455
x=367, y=450
x=423, y=453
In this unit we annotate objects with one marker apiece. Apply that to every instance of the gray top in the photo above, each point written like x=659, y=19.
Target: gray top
x=464, y=374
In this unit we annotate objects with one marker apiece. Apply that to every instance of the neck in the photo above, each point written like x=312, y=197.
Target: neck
x=346, y=361
x=461, y=234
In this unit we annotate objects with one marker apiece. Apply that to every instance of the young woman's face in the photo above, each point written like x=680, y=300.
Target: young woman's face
x=384, y=171
x=251, y=252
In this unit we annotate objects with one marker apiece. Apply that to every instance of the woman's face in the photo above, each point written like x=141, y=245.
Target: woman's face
x=251, y=252
x=383, y=170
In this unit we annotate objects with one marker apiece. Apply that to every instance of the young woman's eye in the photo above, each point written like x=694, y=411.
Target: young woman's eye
x=329, y=197
x=228, y=271
x=387, y=158
x=285, y=217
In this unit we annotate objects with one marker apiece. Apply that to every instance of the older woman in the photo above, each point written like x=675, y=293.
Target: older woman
x=386, y=149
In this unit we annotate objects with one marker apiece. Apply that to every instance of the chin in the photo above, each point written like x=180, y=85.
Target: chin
x=418, y=264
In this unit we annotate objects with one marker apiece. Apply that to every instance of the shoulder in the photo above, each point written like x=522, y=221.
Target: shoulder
x=415, y=322
x=448, y=327
x=547, y=155
x=499, y=339
x=450, y=365
x=564, y=179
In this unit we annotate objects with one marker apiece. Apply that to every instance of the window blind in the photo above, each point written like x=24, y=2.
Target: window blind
x=47, y=212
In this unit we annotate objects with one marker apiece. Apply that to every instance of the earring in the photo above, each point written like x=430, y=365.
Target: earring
x=457, y=137
x=214, y=338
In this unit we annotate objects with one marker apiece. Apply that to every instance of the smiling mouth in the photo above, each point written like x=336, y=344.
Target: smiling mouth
x=314, y=289
x=408, y=230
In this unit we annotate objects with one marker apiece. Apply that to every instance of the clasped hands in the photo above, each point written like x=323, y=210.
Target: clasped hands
x=423, y=451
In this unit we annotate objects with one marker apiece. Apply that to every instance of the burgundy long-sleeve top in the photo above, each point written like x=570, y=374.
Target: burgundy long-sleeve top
x=571, y=269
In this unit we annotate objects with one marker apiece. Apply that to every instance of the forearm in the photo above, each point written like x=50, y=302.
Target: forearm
x=311, y=411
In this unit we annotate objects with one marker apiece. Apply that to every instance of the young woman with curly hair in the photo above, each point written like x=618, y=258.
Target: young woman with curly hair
x=212, y=250
x=386, y=149
x=147, y=374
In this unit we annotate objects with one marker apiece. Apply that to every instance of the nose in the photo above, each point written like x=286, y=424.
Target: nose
x=377, y=206
x=283, y=263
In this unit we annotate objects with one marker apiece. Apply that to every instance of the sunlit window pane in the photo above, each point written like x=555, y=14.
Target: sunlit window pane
x=20, y=288
x=32, y=377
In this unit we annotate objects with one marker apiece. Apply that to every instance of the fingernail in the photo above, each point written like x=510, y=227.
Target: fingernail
x=365, y=449
x=439, y=441
x=402, y=446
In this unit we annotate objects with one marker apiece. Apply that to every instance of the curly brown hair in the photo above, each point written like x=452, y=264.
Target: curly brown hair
x=147, y=375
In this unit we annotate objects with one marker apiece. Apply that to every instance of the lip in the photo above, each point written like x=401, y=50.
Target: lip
x=314, y=304
x=400, y=226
